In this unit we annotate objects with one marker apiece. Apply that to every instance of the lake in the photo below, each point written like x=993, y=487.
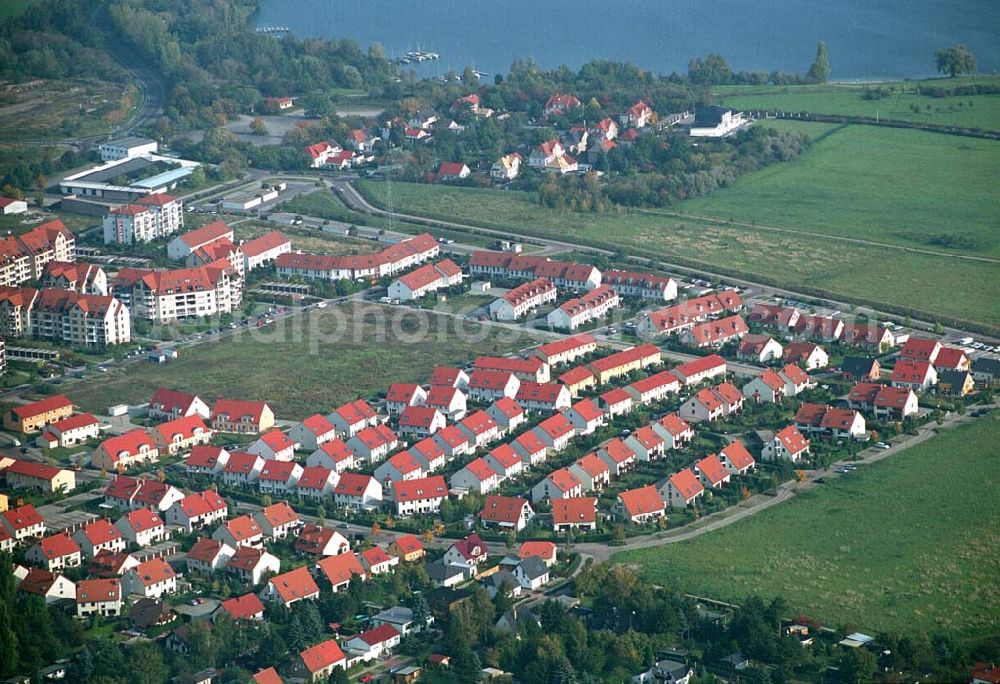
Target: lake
x=866, y=39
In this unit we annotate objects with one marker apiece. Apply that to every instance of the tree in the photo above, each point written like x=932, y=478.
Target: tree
x=857, y=665
x=955, y=60
x=376, y=529
x=819, y=70
x=338, y=676
x=258, y=127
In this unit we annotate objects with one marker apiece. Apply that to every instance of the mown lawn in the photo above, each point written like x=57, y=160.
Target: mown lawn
x=311, y=365
x=903, y=104
x=962, y=289
x=908, y=544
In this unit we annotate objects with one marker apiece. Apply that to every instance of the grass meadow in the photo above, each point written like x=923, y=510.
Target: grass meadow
x=902, y=104
x=909, y=544
x=328, y=357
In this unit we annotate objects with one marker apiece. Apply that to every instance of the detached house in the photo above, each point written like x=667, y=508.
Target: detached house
x=585, y=416
x=450, y=401
x=559, y=484
x=23, y=522
x=316, y=482
x=241, y=531
x=682, y=489
x=419, y=497
x=788, y=444
x=208, y=556
x=421, y=421
x=198, y=510
x=314, y=540
x=335, y=455
x=506, y=512
x=711, y=472
x=125, y=450
x=675, y=431
x=618, y=456
x=99, y=535
x=809, y=355
x=251, y=565
x=505, y=461
x=428, y=454
x=759, y=348
x=373, y=643
x=478, y=476
x=55, y=553
x=273, y=445
x=373, y=443
x=401, y=466
x=353, y=417
x=532, y=448
x=736, y=458
x=646, y=443
x=152, y=579
x=454, y=441
x=376, y=561
x=895, y=402
x=313, y=432
x=206, y=460
x=291, y=587
x=915, y=375
x=181, y=434
x=592, y=472
x=99, y=597
x=317, y=662
x=142, y=527
x=507, y=413
x=401, y=395
x=579, y=513
x=339, y=569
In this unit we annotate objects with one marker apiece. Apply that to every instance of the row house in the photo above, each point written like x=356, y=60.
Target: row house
x=335, y=455
x=240, y=531
x=51, y=587
x=920, y=349
x=618, y=456
x=580, y=311
x=506, y=512
x=134, y=447
x=314, y=540
x=578, y=379
x=736, y=458
x=168, y=404
x=517, y=303
x=711, y=472
x=528, y=369
x=884, y=401
x=624, y=362
x=264, y=250
x=316, y=482
x=555, y=432
x=206, y=460
x=788, y=444
x=558, y=484
x=505, y=461
x=242, y=417
x=868, y=336
x=683, y=316
x=646, y=443
x=480, y=428
x=716, y=333
x=394, y=259
x=585, y=416
x=99, y=535
x=489, y=385
x=355, y=490
x=242, y=469
x=181, y=434
x=99, y=597
x=775, y=315
x=773, y=385
x=429, y=454
x=478, y=476
x=39, y=477
x=129, y=493
x=547, y=397
x=401, y=466
x=313, y=432
x=654, y=388
x=23, y=523
x=376, y=561
x=816, y=327
x=701, y=370
x=290, y=587
x=278, y=477
x=251, y=565
x=531, y=447
x=675, y=431
x=918, y=376
x=373, y=443
x=428, y=278
x=454, y=441
x=353, y=417
x=507, y=414
x=577, y=513
x=198, y=511
x=421, y=421
x=183, y=246
x=832, y=422
x=422, y=496
x=55, y=553
x=592, y=472
x=567, y=349
x=142, y=528
x=448, y=376
x=643, y=286
x=950, y=358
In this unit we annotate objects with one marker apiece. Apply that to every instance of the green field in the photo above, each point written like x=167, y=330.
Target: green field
x=857, y=182
x=903, y=104
x=308, y=368
x=908, y=544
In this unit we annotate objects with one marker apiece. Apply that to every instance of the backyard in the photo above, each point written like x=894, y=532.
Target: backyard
x=909, y=544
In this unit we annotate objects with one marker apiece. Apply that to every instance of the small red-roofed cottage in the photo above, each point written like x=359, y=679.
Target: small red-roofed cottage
x=401, y=466
x=99, y=597
x=245, y=607
x=335, y=455
x=23, y=522
x=317, y=662
x=208, y=556
x=291, y=587
x=682, y=489
x=353, y=417
x=505, y=461
x=278, y=477
x=480, y=428
x=788, y=443
x=592, y=472
x=506, y=512
x=646, y=443
x=313, y=432
x=278, y=520
x=559, y=484
x=950, y=358
x=470, y=552
x=274, y=445
x=809, y=355
x=616, y=402
x=267, y=676
x=242, y=469
x=49, y=586
x=242, y=417
x=450, y=401
x=585, y=416
x=507, y=413
x=556, y=432
x=123, y=451
x=55, y=553
x=915, y=375
x=151, y=579
x=639, y=505
x=181, y=434
x=198, y=510
x=373, y=643
x=920, y=349
x=544, y=550
x=142, y=528
x=206, y=460
x=372, y=444
x=314, y=540
x=251, y=565
x=531, y=447
x=576, y=513
x=478, y=476
x=168, y=404
x=421, y=421
x=736, y=458
x=241, y=531
x=454, y=441
x=618, y=455
x=711, y=472
x=675, y=431
x=355, y=490
x=376, y=561
x=99, y=535
x=403, y=394
x=74, y=430
x=419, y=497
x=407, y=548
x=340, y=569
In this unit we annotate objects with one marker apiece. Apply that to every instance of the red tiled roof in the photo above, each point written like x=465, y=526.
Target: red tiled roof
x=418, y=416
x=574, y=510
x=279, y=514
x=314, y=477
x=421, y=488
x=58, y=545
x=321, y=656
x=502, y=509
x=98, y=590
x=153, y=572
x=32, y=469
x=237, y=409
x=738, y=455
x=246, y=607
x=379, y=634
x=210, y=232
x=143, y=519
x=641, y=501
x=711, y=467
x=205, y=550
x=23, y=517
x=792, y=439
x=480, y=469
x=409, y=543
x=340, y=569
x=294, y=584
x=37, y=408
x=265, y=243
x=686, y=482
x=352, y=484
x=101, y=532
